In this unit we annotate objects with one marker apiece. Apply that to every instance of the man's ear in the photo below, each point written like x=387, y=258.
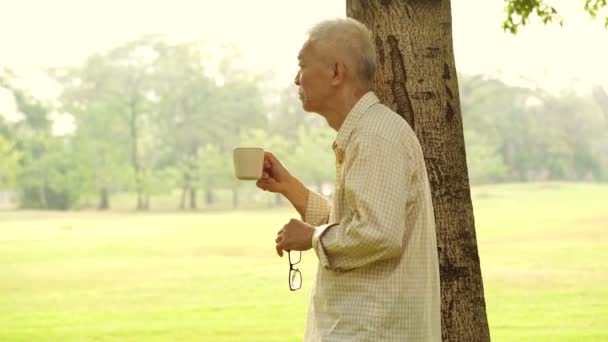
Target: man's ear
x=338, y=73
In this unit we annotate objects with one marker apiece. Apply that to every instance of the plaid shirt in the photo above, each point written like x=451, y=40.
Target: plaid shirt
x=378, y=273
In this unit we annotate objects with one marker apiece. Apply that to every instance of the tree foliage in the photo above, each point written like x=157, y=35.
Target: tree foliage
x=189, y=119
x=533, y=134
x=520, y=11
x=9, y=159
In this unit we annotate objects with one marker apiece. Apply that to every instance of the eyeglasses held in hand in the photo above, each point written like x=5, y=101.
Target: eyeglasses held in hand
x=295, y=277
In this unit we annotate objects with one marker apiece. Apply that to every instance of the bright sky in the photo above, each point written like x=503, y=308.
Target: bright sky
x=270, y=32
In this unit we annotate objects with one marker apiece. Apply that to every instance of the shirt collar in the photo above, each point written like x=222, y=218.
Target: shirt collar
x=352, y=118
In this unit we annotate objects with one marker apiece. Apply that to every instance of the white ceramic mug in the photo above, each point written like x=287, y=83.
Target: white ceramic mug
x=248, y=162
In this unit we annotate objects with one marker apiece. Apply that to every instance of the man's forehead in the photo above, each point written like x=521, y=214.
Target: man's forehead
x=302, y=52
x=305, y=50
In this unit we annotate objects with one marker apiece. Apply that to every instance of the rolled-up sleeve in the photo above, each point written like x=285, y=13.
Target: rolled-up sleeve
x=317, y=209
x=375, y=228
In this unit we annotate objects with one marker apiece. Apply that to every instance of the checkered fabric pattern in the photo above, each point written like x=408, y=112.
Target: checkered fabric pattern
x=378, y=273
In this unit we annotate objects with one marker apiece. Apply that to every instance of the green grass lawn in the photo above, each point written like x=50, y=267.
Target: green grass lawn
x=214, y=276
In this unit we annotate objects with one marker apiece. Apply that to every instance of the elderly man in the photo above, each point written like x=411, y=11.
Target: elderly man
x=378, y=274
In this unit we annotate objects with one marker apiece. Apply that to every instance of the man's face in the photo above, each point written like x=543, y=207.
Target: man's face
x=313, y=79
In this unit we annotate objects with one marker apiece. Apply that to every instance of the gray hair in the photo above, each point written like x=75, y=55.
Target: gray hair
x=351, y=37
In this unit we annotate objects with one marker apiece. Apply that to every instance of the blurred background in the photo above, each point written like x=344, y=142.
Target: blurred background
x=120, y=218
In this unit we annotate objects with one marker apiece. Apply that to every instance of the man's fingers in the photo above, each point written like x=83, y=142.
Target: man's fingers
x=279, y=239
x=268, y=160
x=282, y=246
x=279, y=250
x=265, y=184
x=262, y=185
x=269, y=157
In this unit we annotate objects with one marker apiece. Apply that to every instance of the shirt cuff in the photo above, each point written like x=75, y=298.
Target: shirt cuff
x=317, y=209
x=317, y=244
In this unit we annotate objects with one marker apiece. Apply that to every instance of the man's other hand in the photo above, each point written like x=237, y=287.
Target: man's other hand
x=296, y=235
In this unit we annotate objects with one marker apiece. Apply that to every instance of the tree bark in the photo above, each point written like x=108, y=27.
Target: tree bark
x=416, y=77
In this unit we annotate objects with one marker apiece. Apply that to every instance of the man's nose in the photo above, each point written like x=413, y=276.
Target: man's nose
x=297, y=79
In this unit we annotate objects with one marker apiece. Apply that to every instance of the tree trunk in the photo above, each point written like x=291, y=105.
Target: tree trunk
x=140, y=200
x=192, y=198
x=146, y=202
x=416, y=77
x=42, y=196
x=102, y=164
x=135, y=155
x=235, y=198
x=182, y=201
x=194, y=174
x=209, y=197
x=104, y=199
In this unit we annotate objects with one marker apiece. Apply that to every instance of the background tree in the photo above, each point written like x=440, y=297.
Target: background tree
x=215, y=171
x=519, y=12
x=519, y=134
x=9, y=159
x=417, y=78
x=204, y=103
x=496, y=120
x=41, y=153
x=187, y=111
x=9, y=155
x=286, y=115
x=130, y=84
x=312, y=154
x=193, y=107
x=101, y=132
